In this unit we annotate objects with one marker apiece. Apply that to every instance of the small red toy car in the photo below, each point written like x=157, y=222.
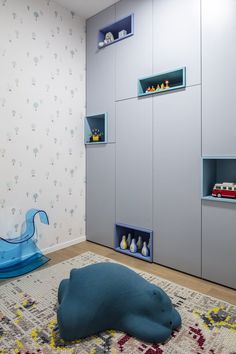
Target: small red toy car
x=225, y=190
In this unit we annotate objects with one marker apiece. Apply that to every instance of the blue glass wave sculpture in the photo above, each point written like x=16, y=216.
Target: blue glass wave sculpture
x=20, y=255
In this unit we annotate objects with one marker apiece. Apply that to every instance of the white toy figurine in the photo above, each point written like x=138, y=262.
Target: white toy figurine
x=122, y=33
x=101, y=44
x=145, y=250
x=140, y=243
x=133, y=246
x=108, y=38
x=129, y=240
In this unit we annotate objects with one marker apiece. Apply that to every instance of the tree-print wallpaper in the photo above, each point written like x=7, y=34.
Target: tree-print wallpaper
x=42, y=108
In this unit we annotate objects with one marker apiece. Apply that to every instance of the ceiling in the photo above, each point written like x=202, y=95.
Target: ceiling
x=86, y=8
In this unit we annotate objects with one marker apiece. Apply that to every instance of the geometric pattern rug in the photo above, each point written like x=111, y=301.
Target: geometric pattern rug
x=28, y=318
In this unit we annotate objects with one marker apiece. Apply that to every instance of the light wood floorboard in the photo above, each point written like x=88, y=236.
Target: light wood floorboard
x=180, y=278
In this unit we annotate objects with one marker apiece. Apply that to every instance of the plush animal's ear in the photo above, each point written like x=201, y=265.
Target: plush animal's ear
x=72, y=273
x=156, y=293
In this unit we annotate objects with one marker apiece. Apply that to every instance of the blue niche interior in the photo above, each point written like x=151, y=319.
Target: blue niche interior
x=126, y=24
x=217, y=170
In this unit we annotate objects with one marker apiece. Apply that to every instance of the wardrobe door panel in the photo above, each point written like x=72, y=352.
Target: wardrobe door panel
x=176, y=37
x=134, y=54
x=219, y=243
x=101, y=71
x=134, y=162
x=176, y=180
x=218, y=77
x=100, y=197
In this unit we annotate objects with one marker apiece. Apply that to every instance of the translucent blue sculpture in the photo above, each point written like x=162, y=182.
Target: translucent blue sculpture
x=20, y=255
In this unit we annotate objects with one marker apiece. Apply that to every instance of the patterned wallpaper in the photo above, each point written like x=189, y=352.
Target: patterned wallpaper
x=42, y=108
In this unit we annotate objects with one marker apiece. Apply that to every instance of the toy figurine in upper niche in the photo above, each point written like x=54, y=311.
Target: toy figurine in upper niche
x=109, y=38
x=122, y=34
x=101, y=44
x=225, y=190
x=150, y=89
x=160, y=86
x=95, y=135
x=167, y=84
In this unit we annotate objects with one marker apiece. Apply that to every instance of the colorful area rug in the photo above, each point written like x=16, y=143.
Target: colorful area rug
x=28, y=318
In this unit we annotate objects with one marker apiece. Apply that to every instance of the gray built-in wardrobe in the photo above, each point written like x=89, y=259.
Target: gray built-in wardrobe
x=164, y=151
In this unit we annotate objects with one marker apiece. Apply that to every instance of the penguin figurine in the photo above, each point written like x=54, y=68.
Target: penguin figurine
x=123, y=243
x=129, y=240
x=133, y=247
x=145, y=250
x=140, y=243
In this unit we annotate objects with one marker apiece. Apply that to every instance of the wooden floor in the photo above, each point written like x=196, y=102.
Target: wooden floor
x=188, y=281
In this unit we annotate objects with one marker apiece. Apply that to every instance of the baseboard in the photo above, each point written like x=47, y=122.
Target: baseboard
x=60, y=246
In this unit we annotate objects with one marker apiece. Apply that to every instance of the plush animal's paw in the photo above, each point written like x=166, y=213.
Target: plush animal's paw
x=176, y=319
x=145, y=329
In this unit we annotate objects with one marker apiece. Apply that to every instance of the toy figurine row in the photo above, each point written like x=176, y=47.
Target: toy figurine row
x=109, y=38
x=163, y=86
x=133, y=246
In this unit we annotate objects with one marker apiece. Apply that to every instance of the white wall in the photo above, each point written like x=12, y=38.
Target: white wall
x=42, y=108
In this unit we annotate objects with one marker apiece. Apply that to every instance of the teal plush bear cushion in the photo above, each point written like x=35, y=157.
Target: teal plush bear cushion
x=106, y=296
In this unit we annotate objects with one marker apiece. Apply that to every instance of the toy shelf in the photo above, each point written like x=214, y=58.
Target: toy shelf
x=146, y=234
x=172, y=80
x=125, y=24
x=217, y=170
x=95, y=124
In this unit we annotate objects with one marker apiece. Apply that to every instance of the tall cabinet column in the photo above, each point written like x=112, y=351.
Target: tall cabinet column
x=219, y=137
x=176, y=180
x=134, y=162
x=100, y=158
